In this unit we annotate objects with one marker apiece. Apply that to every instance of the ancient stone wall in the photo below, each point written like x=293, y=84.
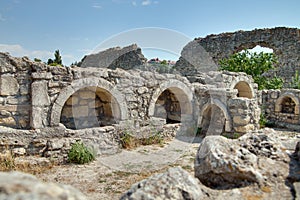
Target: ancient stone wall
x=285, y=43
x=281, y=107
x=15, y=99
x=101, y=101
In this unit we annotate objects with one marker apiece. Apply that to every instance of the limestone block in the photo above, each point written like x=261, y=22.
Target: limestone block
x=241, y=120
x=87, y=95
x=142, y=90
x=8, y=85
x=37, y=116
x=274, y=95
x=42, y=75
x=80, y=111
x=19, y=151
x=84, y=102
x=244, y=129
x=5, y=113
x=8, y=121
x=39, y=91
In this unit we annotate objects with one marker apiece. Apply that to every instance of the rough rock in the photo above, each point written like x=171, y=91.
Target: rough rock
x=125, y=58
x=17, y=185
x=173, y=184
x=220, y=163
x=8, y=85
x=256, y=157
x=297, y=190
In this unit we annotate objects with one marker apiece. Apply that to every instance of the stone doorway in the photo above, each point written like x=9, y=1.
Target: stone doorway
x=168, y=107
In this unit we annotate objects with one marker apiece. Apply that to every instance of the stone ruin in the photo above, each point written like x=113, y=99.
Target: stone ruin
x=44, y=109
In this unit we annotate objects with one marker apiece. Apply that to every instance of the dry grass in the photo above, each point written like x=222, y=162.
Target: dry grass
x=8, y=163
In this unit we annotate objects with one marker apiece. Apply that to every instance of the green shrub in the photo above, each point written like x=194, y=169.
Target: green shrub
x=254, y=64
x=80, y=154
x=262, y=120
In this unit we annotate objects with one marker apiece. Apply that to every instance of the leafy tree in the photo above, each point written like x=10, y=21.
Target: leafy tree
x=57, y=59
x=37, y=60
x=254, y=64
x=50, y=61
x=164, y=62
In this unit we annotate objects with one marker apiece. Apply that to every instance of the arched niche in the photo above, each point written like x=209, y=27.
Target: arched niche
x=96, y=91
x=287, y=103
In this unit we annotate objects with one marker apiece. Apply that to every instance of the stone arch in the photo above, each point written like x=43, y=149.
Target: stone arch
x=287, y=103
x=184, y=98
x=214, y=118
x=118, y=103
x=251, y=45
x=244, y=88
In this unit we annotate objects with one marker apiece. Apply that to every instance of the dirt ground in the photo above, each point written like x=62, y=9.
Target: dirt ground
x=110, y=176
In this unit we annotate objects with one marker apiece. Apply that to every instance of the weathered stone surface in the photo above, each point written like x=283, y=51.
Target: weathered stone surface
x=257, y=157
x=173, y=184
x=297, y=189
x=8, y=85
x=241, y=120
x=222, y=163
x=284, y=41
x=244, y=129
x=126, y=58
x=40, y=95
x=16, y=185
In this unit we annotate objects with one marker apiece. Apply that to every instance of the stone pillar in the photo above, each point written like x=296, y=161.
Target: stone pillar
x=40, y=100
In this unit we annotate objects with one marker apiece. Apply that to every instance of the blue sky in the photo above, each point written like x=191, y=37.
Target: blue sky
x=37, y=28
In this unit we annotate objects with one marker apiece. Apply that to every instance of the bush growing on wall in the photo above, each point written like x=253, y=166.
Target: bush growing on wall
x=254, y=64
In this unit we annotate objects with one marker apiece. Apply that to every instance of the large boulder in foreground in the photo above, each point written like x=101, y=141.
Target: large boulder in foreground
x=221, y=163
x=17, y=185
x=173, y=184
x=261, y=157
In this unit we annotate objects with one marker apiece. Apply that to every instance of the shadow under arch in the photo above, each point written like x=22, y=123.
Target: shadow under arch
x=185, y=97
x=119, y=106
x=279, y=102
x=244, y=88
x=214, y=118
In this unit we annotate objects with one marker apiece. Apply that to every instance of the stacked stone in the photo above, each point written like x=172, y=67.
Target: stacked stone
x=281, y=107
x=284, y=42
x=15, y=80
x=246, y=114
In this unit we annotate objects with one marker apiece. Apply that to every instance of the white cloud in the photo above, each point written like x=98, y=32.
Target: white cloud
x=18, y=51
x=97, y=6
x=134, y=3
x=146, y=2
